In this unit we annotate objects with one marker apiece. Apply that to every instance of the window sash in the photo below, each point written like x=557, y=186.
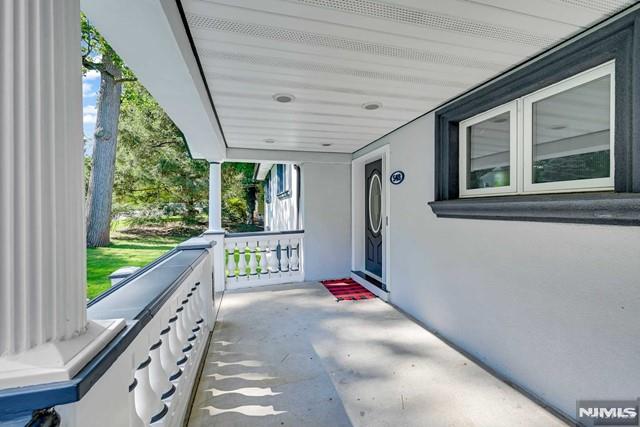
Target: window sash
x=592, y=184
x=283, y=184
x=521, y=141
x=510, y=108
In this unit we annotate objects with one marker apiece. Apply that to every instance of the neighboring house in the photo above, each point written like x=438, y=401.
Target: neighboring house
x=281, y=183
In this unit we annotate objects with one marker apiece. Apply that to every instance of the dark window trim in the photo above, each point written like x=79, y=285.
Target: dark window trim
x=267, y=188
x=283, y=184
x=620, y=41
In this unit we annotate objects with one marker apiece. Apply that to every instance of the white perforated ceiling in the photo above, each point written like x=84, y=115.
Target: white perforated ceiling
x=335, y=56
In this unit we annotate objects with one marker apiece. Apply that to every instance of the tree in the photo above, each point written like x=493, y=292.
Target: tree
x=98, y=55
x=239, y=192
x=153, y=166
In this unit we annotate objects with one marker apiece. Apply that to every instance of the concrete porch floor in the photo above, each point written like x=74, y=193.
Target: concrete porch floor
x=289, y=355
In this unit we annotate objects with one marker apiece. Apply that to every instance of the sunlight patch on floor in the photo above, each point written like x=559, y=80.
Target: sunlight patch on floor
x=249, y=410
x=246, y=391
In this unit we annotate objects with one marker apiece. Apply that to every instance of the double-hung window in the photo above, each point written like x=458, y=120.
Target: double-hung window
x=557, y=139
x=283, y=175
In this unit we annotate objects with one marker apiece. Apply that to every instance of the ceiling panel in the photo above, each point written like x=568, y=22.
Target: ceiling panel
x=335, y=56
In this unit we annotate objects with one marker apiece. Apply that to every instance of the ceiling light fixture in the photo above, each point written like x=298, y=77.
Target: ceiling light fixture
x=326, y=145
x=371, y=105
x=284, y=97
x=270, y=140
x=558, y=127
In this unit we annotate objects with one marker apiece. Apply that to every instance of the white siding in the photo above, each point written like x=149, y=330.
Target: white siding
x=554, y=307
x=282, y=213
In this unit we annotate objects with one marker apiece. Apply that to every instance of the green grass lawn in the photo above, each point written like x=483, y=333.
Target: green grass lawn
x=125, y=250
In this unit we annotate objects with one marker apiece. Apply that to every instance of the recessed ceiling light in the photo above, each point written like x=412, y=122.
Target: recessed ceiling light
x=284, y=97
x=558, y=127
x=269, y=140
x=326, y=145
x=371, y=105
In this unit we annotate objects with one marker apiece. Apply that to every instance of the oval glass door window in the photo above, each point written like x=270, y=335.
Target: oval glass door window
x=375, y=204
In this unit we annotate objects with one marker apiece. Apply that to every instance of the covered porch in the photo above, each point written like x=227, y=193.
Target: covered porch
x=505, y=304
x=289, y=355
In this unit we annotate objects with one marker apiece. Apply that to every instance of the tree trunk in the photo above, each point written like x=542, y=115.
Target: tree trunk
x=104, y=157
x=251, y=203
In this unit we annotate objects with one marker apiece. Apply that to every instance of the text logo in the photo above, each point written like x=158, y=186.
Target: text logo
x=607, y=412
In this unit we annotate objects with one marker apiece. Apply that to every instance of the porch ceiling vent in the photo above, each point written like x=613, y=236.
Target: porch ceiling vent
x=329, y=41
x=425, y=18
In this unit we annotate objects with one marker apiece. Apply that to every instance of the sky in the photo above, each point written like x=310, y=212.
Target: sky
x=90, y=87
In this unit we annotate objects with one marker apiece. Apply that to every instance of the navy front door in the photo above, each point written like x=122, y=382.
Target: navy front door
x=373, y=217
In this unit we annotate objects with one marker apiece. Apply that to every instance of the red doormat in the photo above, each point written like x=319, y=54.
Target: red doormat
x=347, y=290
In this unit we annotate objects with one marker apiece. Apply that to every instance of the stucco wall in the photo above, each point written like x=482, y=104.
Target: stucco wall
x=282, y=214
x=554, y=307
x=326, y=206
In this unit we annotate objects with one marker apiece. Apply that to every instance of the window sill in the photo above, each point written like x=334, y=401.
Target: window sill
x=587, y=208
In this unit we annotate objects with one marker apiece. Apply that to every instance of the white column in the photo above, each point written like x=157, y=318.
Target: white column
x=215, y=197
x=42, y=236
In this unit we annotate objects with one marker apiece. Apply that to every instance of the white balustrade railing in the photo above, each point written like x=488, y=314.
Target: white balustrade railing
x=153, y=377
x=164, y=381
x=256, y=259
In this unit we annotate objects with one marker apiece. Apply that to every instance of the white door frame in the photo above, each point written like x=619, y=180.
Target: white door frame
x=358, y=209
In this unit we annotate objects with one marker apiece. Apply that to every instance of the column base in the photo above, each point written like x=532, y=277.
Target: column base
x=215, y=231
x=57, y=361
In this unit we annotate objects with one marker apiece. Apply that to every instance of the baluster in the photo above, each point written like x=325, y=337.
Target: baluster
x=198, y=302
x=134, y=418
x=189, y=318
x=294, y=260
x=192, y=317
x=253, y=263
x=284, y=255
x=264, y=268
x=183, y=333
x=175, y=344
x=242, y=261
x=203, y=306
x=148, y=404
x=231, y=259
x=168, y=359
x=274, y=266
x=157, y=375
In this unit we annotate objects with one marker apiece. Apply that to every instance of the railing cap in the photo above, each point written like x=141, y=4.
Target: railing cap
x=123, y=272
x=262, y=233
x=196, y=243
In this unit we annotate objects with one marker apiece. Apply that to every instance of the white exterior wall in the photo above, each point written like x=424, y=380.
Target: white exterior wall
x=553, y=307
x=326, y=205
x=282, y=214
